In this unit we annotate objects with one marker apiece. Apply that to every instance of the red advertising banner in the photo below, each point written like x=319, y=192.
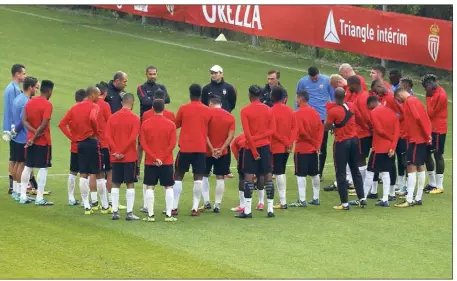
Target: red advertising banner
x=363, y=31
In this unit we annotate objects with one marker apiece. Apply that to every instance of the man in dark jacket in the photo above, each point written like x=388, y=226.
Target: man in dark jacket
x=115, y=91
x=220, y=88
x=146, y=91
x=273, y=81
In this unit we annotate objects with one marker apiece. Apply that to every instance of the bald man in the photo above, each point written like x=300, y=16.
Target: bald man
x=347, y=71
x=115, y=91
x=341, y=120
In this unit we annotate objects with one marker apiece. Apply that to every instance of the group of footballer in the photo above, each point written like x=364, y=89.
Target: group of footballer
x=372, y=130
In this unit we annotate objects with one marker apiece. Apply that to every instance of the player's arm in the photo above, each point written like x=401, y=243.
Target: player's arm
x=235, y=149
x=178, y=121
x=173, y=119
x=209, y=144
x=109, y=138
x=424, y=121
x=331, y=92
x=167, y=96
x=171, y=142
x=20, y=126
x=63, y=125
x=132, y=138
x=205, y=97
x=286, y=97
x=269, y=132
x=144, y=145
x=46, y=118
x=320, y=136
x=378, y=128
x=247, y=133
x=26, y=123
x=294, y=131
x=93, y=116
x=231, y=97
x=396, y=135
x=329, y=123
x=144, y=99
x=230, y=136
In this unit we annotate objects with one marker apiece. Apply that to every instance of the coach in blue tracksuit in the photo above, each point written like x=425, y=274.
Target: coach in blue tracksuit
x=320, y=92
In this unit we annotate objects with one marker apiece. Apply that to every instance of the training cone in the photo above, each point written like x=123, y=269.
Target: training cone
x=221, y=38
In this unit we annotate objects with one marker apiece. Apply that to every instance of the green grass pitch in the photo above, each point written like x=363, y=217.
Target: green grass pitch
x=59, y=242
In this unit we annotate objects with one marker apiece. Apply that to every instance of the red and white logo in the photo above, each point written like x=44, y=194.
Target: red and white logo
x=171, y=9
x=331, y=34
x=434, y=42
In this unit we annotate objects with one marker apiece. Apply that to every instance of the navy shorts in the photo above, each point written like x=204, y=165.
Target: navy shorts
x=221, y=165
x=124, y=172
x=17, y=153
x=106, y=161
x=306, y=164
x=154, y=174
x=196, y=159
x=74, y=163
x=417, y=153
x=280, y=163
x=365, y=147
x=38, y=156
x=380, y=162
x=257, y=167
x=438, y=141
x=89, y=157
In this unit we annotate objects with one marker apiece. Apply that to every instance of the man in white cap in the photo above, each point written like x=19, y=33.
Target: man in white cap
x=227, y=93
x=219, y=87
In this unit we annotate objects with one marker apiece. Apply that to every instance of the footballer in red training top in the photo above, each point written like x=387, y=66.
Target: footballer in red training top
x=386, y=132
x=282, y=141
x=419, y=132
x=193, y=119
x=437, y=112
x=121, y=134
x=258, y=127
x=220, y=133
x=37, y=114
x=158, y=139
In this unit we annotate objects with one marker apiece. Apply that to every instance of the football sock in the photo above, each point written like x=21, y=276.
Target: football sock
x=385, y=176
x=150, y=201
x=130, y=195
x=368, y=183
x=411, y=186
x=439, y=181
x=42, y=176
x=177, y=188
x=71, y=187
x=301, y=182
x=420, y=185
x=220, y=186
x=197, y=194
x=316, y=181
x=281, y=185
x=101, y=190
x=115, y=197
x=84, y=189
x=431, y=178
x=205, y=190
x=169, y=197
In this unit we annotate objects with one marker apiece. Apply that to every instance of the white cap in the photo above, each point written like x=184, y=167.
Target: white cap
x=216, y=68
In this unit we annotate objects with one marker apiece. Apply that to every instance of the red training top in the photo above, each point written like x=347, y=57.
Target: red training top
x=336, y=114
x=37, y=109
x=286, y=128
x=386, y=129
x=193, y=119
x=417, y=124
x=167, y=113
x=437, y=110
x=258, y=125
x=237, y=145
x=121, y=134
x=82, y=119
x=362, y=116
x=389, y=101
x=158, y=139
x=310, y=130
x=104, y=115
x=220, y=124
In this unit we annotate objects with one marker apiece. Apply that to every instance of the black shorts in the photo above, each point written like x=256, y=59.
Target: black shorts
x=89, y=157
x=221, y=165
x=438, y=141
x=17, y=153
x=74, y=163
x=279, y=163
x=124, y=172
x=365, y=147
x=380, y=162
x=154, y=174
x=402, y=146
x=38, y=156
x=257, y=167
x=417, y=153
x=11, y=151
x=306, y=164
x=106, y=161
x=196, y=159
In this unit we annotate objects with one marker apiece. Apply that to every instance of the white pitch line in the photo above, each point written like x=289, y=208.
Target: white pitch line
x=169, y=43
x=290, y=165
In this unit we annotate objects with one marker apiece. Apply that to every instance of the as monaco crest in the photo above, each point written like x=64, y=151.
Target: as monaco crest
x=434, y=42
x=171, y=9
